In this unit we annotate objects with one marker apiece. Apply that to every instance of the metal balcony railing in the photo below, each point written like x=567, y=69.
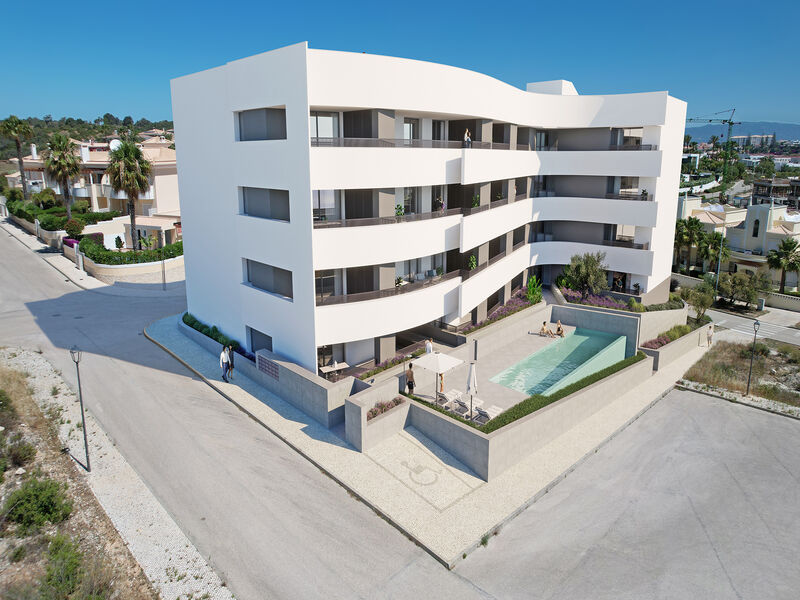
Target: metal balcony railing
x=641, y=197
x=322, y=224
x=376, y=294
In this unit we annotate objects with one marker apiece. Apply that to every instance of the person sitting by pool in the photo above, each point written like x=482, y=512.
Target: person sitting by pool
x=545, y=331
x=559, y=329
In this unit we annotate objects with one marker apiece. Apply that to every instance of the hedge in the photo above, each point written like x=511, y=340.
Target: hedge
x=102, y=255
x=215, y=334
x=54, y=218
x=675, y=333
x=537, y=401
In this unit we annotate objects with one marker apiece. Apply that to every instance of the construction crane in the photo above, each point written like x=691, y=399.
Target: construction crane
x=730, y=122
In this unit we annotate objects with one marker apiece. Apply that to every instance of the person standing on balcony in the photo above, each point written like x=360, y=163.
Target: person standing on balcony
x=224, y=359
x=467, y=139
x=429, y=346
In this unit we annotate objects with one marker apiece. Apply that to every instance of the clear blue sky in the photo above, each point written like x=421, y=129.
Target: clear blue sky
x=85, y=59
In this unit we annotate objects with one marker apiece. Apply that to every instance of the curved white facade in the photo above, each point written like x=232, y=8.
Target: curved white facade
x=354, y=183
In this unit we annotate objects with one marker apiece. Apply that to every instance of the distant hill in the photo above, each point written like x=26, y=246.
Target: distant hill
x=784, y=131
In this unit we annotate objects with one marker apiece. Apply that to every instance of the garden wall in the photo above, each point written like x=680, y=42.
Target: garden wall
x=784, y=301
x=52, y=238
x=490, y=455
x=320, y=399
x=149, y=272
x=670, y=352
x=363, y=434
x=26, y=225
x=610, y=321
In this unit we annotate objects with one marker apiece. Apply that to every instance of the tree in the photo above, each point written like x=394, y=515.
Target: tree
x=47, y=119
x=680, y=239
x=17, y=130
x=700, y=299
x=766, y=167
x=109, y=119
x=686, y=139
x=710, y=249
x=714, y=141
x=118, y=243
x=129, y=171
x=785, y=257
x=587, y=273
x=127, y=121
x=143, y=124
x=694, y=234
x=62, y=164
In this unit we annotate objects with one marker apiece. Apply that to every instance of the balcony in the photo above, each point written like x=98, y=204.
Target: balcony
x=403, y=288
x=625, y=242
x=633, y=196
x=338, y=142
x=322, y=224
x=611, y=147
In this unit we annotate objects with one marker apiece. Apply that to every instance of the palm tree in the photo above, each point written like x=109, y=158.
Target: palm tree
x=18, y=130
x=694, y=234
x=686, y=139
x=714, y=141
x=710, y=249
x=129, y=172
x=62, y=164
x=786, y=258
x=680, y=239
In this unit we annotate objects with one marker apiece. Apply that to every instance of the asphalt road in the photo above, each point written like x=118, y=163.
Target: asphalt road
x=273, y=525
x=744, y=326
x=698, y=498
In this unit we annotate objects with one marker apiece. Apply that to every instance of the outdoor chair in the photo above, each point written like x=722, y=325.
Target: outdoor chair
x=481, y=416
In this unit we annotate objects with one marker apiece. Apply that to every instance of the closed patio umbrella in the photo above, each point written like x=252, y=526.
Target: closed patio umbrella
x=438, y=363
x=472, y=383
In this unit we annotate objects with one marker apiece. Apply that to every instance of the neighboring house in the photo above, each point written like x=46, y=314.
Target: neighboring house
x=752, y=231
x=160, y=203
x=344, y=213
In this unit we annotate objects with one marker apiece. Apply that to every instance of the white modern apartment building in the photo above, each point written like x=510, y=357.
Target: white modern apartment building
x=333, y=207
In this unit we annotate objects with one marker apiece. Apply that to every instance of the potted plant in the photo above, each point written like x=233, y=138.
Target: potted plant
x=637, y=288
x=398, y=282
x=476, y=201
x=399, y=210
x=439, y=271
x=472, y=262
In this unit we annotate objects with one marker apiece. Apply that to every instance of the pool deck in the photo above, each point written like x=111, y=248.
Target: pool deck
x=520, y=345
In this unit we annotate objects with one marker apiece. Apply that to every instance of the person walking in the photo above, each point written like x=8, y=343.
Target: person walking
x=230, y=361
x=224, y=359
x=710, y=335
x=410, y=379
x=428, y=345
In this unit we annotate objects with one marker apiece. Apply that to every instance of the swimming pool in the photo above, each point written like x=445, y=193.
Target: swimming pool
x=581, y=353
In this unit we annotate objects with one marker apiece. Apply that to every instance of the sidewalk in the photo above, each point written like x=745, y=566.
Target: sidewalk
x=82, y=279
x=410, y=481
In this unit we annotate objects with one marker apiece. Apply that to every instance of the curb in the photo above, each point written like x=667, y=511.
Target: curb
x=732, y=401
x=347, y=488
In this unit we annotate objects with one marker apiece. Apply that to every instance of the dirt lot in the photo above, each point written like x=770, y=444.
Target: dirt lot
x=93, y=561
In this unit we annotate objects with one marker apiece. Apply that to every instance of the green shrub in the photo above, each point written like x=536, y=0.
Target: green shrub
x=534, y=290
x=80, y=206
x=21, y=453
x=73, y=228
x=37, y=502
x=678, y=331
x=18, y=553
x=537, y=401
x=8, y=414
x=101, y=255
x=212, y=332
x=635, y=306
x=15, y=195
x=45, y=199
x=760, y=350
x=52, y=222
x=63, y=573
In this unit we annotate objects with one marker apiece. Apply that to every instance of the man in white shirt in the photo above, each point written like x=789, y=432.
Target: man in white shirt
x=428, y=346
x=223, y=363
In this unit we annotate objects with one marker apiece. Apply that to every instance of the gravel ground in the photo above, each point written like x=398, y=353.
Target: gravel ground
x=168, y=559
x=770, y=405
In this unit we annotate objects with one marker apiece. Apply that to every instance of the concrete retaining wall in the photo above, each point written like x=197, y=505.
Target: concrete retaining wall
x=69, y=252
x=783, y=301
x=356, y=407
x=510, y=444
x=667, y=354
x=616, y=321
x=27, y=226
x=52, y=238
x=320, y=399
x=173, y=267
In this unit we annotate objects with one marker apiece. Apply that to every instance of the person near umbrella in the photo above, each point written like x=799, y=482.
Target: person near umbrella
x=410, y=379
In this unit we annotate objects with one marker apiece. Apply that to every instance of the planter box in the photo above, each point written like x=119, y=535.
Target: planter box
x=674, y=350
x=387, y=424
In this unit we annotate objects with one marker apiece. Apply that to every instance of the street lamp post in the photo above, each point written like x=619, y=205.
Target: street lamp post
x=75, y=353
x=756, y=325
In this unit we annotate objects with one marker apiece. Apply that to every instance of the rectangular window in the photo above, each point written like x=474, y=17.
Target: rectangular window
x=262, y=124
x=326, y=205
x=437, y=132
x=266, y=203
x=324, y=124
x=324, y=283
x=410, y=196
x=259, y=340
x=410, y=129
x=270, y=279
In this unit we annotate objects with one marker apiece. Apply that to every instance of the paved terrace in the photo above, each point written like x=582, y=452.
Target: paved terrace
x=410, y=480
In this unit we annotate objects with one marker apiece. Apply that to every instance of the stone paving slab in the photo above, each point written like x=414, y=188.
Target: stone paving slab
x=408, y=479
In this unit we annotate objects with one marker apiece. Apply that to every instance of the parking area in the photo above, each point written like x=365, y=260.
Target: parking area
x=699, y=498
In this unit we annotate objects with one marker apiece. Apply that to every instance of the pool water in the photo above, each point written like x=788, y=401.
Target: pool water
x=580, y=353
